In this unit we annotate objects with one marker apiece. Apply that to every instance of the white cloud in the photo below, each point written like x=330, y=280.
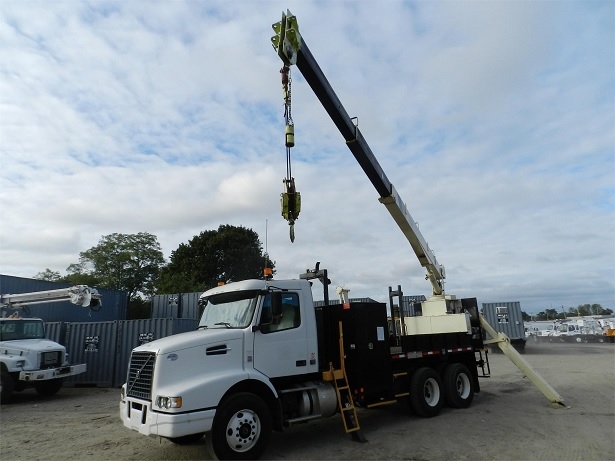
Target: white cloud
x=494, y=121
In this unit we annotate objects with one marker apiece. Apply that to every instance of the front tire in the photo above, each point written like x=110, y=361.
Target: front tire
x=425, y=392
x=50, y=387
x=241, y=428
x=458, y=386
x=7, y=385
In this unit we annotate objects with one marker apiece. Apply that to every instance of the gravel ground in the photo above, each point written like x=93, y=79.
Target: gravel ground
x=509, y=420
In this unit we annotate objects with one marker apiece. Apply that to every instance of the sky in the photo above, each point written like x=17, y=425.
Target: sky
x=495, y=122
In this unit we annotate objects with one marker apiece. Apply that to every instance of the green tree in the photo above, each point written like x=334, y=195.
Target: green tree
x=126, y=262
x=78, y=274
x=138, y=309
x=228, y=254
x=590, y=309
x=525, y=316
x=49, y=275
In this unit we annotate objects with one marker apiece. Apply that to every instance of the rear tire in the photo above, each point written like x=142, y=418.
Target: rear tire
x=241, y=428
x=50, y=387
x=458, y=386
x=426, y=392
x=7, y=385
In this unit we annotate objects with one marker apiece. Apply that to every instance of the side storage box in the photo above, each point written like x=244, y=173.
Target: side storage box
x=366, y=345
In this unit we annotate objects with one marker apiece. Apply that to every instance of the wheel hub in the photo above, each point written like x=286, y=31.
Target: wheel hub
x=243, y=430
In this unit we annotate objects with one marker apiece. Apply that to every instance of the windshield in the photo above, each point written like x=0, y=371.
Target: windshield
x=11, y=330
x=229, y=310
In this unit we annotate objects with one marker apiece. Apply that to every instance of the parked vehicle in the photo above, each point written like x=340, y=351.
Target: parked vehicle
x=27, y=359
x=266, y=358
x=579, y=330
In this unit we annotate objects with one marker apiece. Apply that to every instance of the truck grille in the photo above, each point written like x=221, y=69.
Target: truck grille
x=140, y=375
x=51, y=359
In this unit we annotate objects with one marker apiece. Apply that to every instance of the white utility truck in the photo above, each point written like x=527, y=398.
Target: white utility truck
x=265, y=358
x=27, y=358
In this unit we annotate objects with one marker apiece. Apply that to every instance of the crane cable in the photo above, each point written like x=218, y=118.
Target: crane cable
x=290, y=198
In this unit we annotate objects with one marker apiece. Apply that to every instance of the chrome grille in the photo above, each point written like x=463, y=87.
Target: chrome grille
x=140, y=375
x=51, y=359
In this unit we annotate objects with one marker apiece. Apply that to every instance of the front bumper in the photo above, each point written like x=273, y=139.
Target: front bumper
x=52, y=373
x=139, y=416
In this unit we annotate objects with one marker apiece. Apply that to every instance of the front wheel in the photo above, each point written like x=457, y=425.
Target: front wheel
x=50, y=387
x=425, y=392
x=7, y=385
x=458, y=386
x=241, y=428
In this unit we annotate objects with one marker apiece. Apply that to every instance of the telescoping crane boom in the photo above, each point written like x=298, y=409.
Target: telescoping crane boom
x=292, y=49
x=80, y=295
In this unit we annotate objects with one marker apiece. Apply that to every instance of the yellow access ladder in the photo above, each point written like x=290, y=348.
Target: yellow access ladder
x=342, y=390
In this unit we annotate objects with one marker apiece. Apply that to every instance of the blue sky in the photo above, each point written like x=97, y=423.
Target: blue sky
x=495, y=121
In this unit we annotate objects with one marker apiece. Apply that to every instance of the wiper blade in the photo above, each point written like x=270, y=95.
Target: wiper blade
x=202, y=326
x=226, y=324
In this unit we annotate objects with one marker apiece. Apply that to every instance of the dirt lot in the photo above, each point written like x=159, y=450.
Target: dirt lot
x=509, y=420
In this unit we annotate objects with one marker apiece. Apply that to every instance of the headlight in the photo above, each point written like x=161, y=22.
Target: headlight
x=20, y=363
x=168, y=402
x=123, y=392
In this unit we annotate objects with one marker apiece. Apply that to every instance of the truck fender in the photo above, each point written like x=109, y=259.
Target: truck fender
x=260, y=385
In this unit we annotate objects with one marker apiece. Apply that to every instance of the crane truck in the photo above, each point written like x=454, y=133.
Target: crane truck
x=266, y=357
x=27, y=359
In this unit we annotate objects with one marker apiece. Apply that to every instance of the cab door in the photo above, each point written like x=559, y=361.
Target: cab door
x=280, y=345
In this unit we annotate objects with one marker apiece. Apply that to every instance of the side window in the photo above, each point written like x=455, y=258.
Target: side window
x=290, y=316
x=266, y=311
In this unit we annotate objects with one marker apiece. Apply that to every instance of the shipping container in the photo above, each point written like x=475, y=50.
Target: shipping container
x=189, y=307
x=55, y=331
x=506, y=317
x=176, y=305
x=114, y=302
x=94, y=343
x=411, y=305
x=165, y=306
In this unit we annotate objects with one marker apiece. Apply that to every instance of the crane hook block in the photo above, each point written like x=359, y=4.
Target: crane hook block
x=290, y=135
x=291, y=205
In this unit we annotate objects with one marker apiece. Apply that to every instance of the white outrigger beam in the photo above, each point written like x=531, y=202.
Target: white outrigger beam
x=508, y=349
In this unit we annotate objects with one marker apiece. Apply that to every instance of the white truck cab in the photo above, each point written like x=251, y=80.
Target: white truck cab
x=27, y=359
x=250, y=333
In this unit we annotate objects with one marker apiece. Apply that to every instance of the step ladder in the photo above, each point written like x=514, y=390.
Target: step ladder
x=343, y=393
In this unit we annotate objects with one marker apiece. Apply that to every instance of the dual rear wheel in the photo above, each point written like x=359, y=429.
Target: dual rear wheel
x=429, y=391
